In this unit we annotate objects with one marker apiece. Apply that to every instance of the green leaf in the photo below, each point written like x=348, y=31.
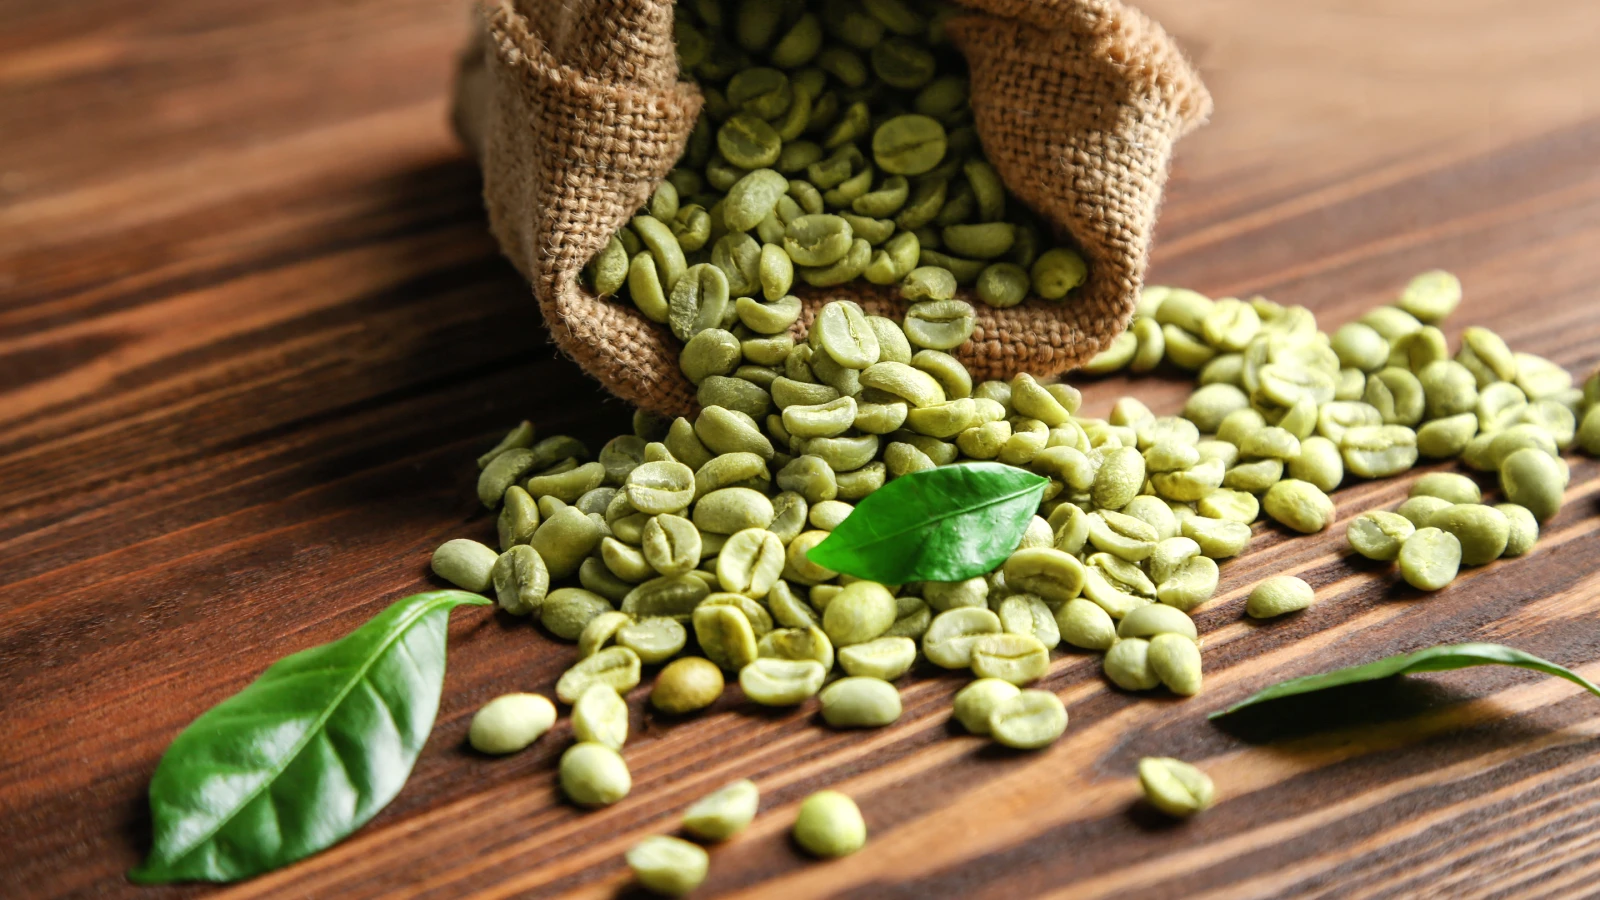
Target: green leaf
x=942, y=524
x=1433, y=659
x=305, y=754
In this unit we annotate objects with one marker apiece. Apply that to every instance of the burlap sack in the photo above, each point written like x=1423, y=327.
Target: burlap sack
x=575, y=112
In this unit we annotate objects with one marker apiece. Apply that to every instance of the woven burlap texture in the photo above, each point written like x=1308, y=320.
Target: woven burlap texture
x=575, y=113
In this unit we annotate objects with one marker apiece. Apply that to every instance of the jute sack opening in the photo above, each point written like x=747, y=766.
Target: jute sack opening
x=575, y=112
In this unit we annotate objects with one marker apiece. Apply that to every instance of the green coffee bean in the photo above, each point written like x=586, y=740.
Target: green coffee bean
x=750, y=562
x=566, y=484
x=733, y=394
x=747, y=142
x=1115, y=356
x=466, y=564
x=949, y=639
x=1361, y=347
x=1397, y=395
x=1149, y=621
x=1482, y=531
x=520, y=437
x=1587, y=436
x=1534, y=480
x=790, y=512
x=1123, y=536
x=510, y=722
x=1017, y=658
x=1175, y=787
x=686, y=685
x=732, y=509
x=518, y=519
x=711, y=351
x=1127, y=664
x=781, y=682
x=1175, y=660
x=1084, y=624
x=1486, y=355
x=829, y=825
x=1218, y=538
x=908, y=144
x=1190, y=584
x=1152, y=345
x=1236, y=506
x=844, y=454
x=1300, y=505
x=938, y=324
x=725, y=635
x=520, y=580
x=797, y=643
x=859, y=702
x=502, y=471
x=1523, y=529
x=1028, y=721
x=1056, y=272
x=724, y=812
x=862, y=611
x=1119, y=479
x=600, y=716
x=1430, y=559
x=851, y=266
x=1379, y=451
x=885, y=658
x=668, y=866
x=599, y=632
x=1431, y=296
x=1555, y=418
x=1029, y=615
x=1421, y=510
x=976, y=703
x=1379, y=535
x=1447, y=486
x=1391, y=322
x=594, y=775
x=615, y=667
x=1047, y=572
x=1279, y=595
x=596, y=578
x=1448, y=437
x=1191, y=484
x=1517, y=437
x=801, y=569
x=1418, y=349
x=654, y=640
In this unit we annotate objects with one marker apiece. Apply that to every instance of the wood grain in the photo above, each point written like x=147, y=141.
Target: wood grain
x=253, y=332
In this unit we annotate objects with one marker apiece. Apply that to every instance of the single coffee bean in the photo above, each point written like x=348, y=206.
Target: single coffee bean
x=510, y=722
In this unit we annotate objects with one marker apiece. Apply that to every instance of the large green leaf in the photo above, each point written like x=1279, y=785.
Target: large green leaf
x=1433, y=659
x=942, y=524
x=305, y=754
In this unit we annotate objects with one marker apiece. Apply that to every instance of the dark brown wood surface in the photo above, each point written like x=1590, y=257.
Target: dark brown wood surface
x=253, y=333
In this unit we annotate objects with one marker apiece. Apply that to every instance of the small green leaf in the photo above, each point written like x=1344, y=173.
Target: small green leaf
x=943, y=524
x=1433, y=659
x=305, y=754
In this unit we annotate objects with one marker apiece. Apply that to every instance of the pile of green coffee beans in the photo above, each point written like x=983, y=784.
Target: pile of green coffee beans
x=836, y=144
x=683, y=545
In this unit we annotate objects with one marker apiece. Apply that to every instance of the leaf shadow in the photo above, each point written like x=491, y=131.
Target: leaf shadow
x=1338, y=709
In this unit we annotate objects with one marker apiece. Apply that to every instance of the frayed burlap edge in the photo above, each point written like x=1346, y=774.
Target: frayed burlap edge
x=574, y=111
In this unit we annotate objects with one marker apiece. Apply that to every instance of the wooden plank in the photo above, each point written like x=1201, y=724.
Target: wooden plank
x=253, y=331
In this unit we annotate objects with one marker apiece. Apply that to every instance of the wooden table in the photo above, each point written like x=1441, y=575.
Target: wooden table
x=253, y=333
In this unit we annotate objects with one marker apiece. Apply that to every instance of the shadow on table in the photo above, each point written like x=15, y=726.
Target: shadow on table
x=1339, y=709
